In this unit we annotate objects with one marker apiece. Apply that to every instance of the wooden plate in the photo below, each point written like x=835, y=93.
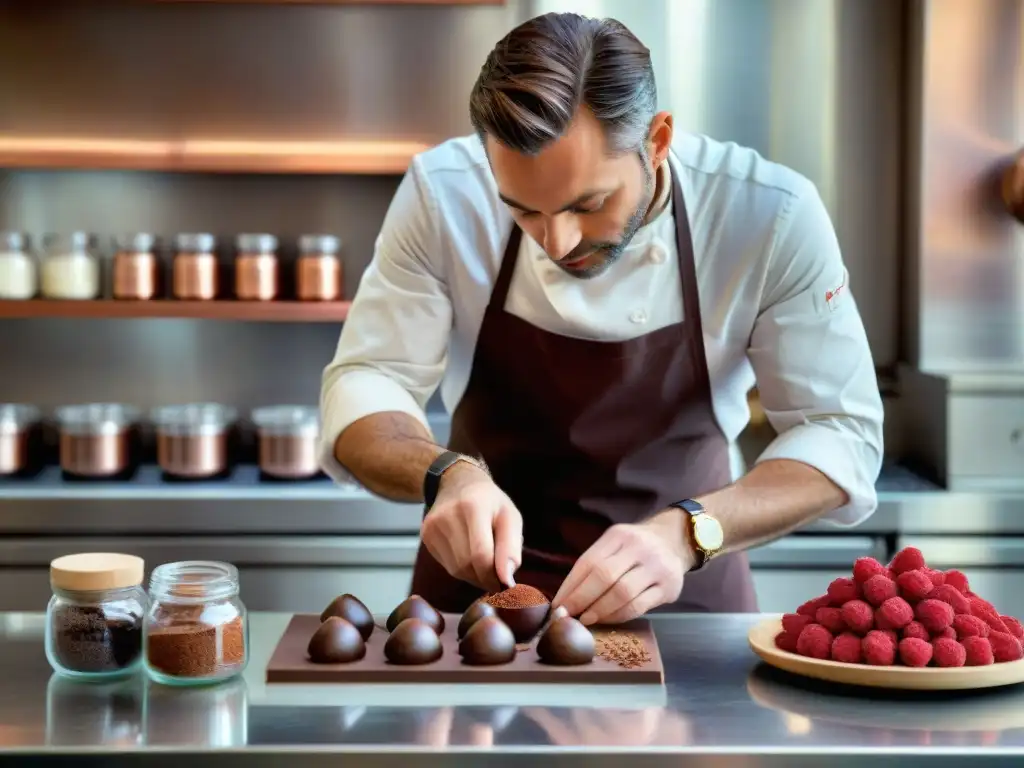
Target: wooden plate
x=762, y=641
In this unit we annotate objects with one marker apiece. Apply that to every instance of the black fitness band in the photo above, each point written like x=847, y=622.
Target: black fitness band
x=432, y=480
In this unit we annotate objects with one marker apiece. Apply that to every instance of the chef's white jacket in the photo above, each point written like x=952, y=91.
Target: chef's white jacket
x=775, y=299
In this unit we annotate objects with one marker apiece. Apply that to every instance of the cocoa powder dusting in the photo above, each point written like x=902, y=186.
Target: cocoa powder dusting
x=519, y=596
x=622, y=648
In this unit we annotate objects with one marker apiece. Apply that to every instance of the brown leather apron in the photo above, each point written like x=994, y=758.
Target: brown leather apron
x=584, y=434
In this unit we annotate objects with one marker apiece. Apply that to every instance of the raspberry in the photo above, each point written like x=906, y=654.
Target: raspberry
x=831, y=619
x=949, y=633
x=866, y=567
x=814, y=641
x=811, y=606
x=969, y=626
x=846, y=648
x=1004, y=647
x=916, y=629
x=984, y=611
x=878, y=589
x=907, y=559
x=915, y=652
x=947, y=593
x=858, y=616
x=878, y=648
x=894, y=613
x=786, y=641
x=948, y=653
x=842, y=591
x=794, y=622
x=914, y=585
x=892, y=634
x=934, y=614
x=938, y=578
x=979, y=651
x=1015, y=627
x=956, y=579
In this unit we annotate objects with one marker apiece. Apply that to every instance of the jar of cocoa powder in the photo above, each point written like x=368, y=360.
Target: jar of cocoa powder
x=136, y=267
x=318, y=275
x=288, y=441
x=256, y=268
x=195, y=267
x=197, y=628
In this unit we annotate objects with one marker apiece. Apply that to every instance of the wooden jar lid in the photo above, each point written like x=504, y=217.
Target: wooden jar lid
x=96, y=572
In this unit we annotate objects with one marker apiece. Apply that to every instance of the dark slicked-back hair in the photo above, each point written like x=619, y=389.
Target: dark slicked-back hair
x=541, y=73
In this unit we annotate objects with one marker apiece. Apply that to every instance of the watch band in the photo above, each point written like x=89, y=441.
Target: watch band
x=694, y=508
x=440, y=465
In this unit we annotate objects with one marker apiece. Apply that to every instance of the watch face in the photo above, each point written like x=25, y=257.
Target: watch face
x=708, y=533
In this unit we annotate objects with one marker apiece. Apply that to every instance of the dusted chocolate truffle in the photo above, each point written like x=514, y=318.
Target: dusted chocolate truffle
x=336, y=641
x=566, y=643
x=415, y=607
x=523, y=608
x=413, y=641
x=489, y=641
x=352, y=610
x=473, y=614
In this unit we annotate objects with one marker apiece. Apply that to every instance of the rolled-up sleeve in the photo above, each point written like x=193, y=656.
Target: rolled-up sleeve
x=810, y=354
x=393, y=347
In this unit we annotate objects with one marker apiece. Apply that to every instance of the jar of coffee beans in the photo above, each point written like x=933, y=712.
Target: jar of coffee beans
x=95, y=618
x=197, y=628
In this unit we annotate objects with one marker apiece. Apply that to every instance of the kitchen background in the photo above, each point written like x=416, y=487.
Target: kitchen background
x=291, y=118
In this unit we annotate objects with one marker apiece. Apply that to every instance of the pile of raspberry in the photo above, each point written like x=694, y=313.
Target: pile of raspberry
x=907, y=614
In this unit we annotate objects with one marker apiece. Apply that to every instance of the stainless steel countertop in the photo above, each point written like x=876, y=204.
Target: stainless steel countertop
x=719, y=707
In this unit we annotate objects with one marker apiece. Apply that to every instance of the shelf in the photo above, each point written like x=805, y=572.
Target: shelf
x=253, y=311
x=214, y=156
x=338, y=2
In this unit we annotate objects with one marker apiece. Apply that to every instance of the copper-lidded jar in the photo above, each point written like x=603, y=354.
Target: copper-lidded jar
x=318, y=272
x=192, y=440
x=256, y=267
x=196, y=270
x=136, y=267
x=16, y=423
x=288, y=439
x=96, y=439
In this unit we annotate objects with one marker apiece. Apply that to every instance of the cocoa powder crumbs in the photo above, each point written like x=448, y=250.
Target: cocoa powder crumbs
x=196, y=650
x=622, y=648
x=519, y=596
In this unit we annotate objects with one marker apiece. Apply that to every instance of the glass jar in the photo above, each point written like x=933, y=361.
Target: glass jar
x=197, y=629
x=256, y=268
x=196, y=270
x=318, y=273
x=136, y=267
x=94, y=621
x=19, y=277
x=288, y=441
x=192, y=440
x=71, y=267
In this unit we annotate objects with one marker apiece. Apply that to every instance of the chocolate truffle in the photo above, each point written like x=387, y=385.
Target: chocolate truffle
x=473, y=614
x=489, y=641
x=413, y=641
x=351, y=609
x=415, y=607
x=336, y=641
x=523, y=608
x=566, y=642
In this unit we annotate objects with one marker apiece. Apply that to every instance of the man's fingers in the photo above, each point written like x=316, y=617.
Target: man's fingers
x=602, y=575
x=604, y=547
x=650, y=598
x=619, y=595
x=508, y=543
x=480, y=541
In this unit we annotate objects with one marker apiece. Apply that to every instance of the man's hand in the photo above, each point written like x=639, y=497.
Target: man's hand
x=628, y=571
x=474, y=530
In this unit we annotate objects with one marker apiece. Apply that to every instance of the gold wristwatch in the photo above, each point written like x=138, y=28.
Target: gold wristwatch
x=706, y=532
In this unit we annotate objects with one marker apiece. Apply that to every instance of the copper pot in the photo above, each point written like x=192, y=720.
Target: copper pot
x=192, y=440
x=256, y=268
x=16, y=422
x=288, y=441
x=136, y=268
x=318, y=271
x=196, y=270
x=95, y=439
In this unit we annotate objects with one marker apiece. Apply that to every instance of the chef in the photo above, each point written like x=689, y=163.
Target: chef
x=595, y=292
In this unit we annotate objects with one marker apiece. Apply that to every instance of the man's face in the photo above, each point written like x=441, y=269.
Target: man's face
x=581, y=204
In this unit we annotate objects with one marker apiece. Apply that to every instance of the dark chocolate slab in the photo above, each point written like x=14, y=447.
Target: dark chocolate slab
x=289, y=663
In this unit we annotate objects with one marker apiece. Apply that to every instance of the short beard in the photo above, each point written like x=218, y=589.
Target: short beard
x=610, y=254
